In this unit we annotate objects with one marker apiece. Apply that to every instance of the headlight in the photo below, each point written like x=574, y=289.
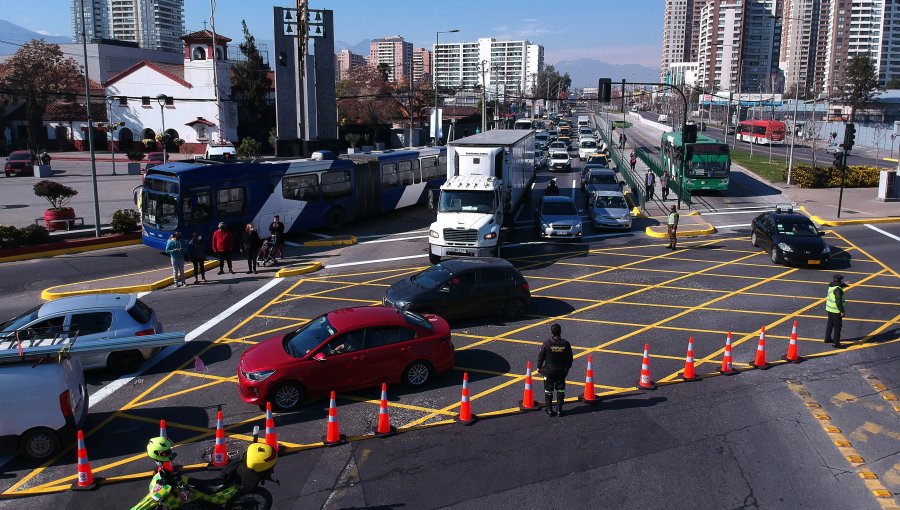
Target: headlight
x=490, y=235
x=826, y=249
x=434, y=233
x=262, y=375
x=626, y=216
x=544, y=226
x=785, y=247
x=578, y=226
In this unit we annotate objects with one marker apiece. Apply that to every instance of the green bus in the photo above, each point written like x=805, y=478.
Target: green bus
x=706, y=163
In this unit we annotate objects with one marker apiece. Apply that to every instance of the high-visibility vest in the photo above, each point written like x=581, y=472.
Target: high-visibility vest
x=673, y=219
x=831, y=300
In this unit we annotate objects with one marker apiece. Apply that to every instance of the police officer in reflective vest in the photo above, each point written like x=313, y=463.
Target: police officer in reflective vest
x=672, y=223
x=834, y=305
x=554, y=363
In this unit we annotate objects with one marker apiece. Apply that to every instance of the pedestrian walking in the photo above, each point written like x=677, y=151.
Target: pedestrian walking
x=834, y=305
x=250, y=243
x=277, y=229
x=554, y=363
x=664, y=184
x=672, y=223
x=197, y=254
x=650, y=181
x=622, y=139
x=175, y=248
x=633, y=160
x=222, y=244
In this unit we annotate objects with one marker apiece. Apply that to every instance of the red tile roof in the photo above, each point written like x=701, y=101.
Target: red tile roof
x=172, y=71
x=67, y=110
x=204, y=35
x=200, y=120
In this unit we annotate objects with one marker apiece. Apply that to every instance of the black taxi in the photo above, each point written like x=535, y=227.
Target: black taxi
x=789, y=237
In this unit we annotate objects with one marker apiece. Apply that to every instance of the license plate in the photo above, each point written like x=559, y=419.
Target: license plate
x=560, y=233
x=814, y=262
x=457, y=252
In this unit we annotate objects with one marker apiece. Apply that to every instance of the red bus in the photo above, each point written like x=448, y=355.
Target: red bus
x=762, y=131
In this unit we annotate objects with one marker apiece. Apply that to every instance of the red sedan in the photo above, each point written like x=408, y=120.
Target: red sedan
x=19, y=163
x=342, y=350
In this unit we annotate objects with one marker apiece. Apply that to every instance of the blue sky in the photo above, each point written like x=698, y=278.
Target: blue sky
x=617, y=31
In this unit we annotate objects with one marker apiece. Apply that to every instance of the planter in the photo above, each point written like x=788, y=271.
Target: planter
x=42, y=171
x=134, y=169
x=58, y=219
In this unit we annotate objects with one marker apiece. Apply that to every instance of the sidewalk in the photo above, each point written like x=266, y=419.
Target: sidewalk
x=859, y=205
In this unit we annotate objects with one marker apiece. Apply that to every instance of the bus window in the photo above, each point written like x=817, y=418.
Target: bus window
x=230, y=202
x=336, y=185
x=300, y=187
x=442, y=161
x=161, y=210
x=405, y=173
x=417, y=171
x=389, y=176
x=430, y=170
x=195, y=207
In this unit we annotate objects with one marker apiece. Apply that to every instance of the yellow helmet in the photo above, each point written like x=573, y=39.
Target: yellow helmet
x=261, y=457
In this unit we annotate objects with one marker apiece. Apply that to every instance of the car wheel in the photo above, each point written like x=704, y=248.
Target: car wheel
x=258, y=499
x=514, y=308
x=124, y=362
x=287, y=396
x=417, y=373
x=753, y=240
x=336, y=218
x=39, y=444
x=776, y=257
x=434, y=259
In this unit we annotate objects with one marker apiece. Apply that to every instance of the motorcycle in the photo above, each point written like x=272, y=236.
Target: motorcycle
x=237, y=487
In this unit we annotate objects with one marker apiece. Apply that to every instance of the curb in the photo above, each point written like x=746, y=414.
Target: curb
x=336, y=241
x=839, y=223
x=298, y=270
x=81, y=248
x=681, y=233
x=50, y=293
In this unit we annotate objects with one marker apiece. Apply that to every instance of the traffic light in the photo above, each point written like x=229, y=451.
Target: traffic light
x=838, y=160
x=849, y=137
x=604, y=90
x=689, y=133
x=282, y=58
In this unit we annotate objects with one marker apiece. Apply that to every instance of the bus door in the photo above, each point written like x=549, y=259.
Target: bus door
x=366, y=177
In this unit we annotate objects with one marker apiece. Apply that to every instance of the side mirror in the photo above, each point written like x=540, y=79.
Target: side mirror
x=445, y=289
x=821, y=234
x=320, y=357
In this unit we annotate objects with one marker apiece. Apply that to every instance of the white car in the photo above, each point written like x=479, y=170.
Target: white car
x=587, y=147
x=540, y=160
x=560, y=159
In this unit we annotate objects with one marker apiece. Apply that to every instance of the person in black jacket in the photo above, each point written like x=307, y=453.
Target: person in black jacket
x=197, y=253
x=554, y=363
x=249, y=246
x=277, y=229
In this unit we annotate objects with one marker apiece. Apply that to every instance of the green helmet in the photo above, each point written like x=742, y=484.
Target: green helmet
x=160, y=449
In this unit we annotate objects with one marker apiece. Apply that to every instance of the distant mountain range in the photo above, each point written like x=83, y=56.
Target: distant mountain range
x=585, y=72
x=12, y=36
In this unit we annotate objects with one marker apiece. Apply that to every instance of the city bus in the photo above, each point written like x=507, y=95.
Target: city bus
x=762, y=131
x=704, y=165
x=308, y=194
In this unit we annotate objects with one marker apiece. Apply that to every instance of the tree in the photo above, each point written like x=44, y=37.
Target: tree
x=250, y=78
x=37, y=73
x=384, y=70
x=366, y=98
x=862, y=83
x=550, y=79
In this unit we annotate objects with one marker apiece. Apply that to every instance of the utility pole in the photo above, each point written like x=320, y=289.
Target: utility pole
x=302, y=34
x=483, y=96
x=87, y=107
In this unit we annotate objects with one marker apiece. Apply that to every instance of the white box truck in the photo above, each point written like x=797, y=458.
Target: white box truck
x=488, y=177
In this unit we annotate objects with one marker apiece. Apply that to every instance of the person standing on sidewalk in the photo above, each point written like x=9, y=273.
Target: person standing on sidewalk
x=197, y=253
x=633, y=160
x=664, y=184
x=650, y=181
x=222, y=244
x=249, y=246
x=277, y=229
x=554, y=363
x=672, y=223
x=834, y=305
x=175, y=249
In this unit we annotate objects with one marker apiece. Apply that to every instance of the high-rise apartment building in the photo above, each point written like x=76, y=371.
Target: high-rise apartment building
x=804, y=44
x=421, y=65
x=394, y=52
x=761, y=40
x=346, y=61
x=681, y=33
x=508, y=67
x=152, y=24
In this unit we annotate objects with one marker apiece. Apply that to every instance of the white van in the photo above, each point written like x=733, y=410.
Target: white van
x=584, y=120
x=48, y=399
x=223, y=152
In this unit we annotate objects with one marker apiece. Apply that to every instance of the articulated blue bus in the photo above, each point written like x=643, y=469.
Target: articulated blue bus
x=307, y=194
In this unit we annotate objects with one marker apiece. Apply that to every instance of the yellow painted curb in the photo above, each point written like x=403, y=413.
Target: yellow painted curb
x=68, y=251
x=637, y=213
x=839, y=223
x=298, y=270
x=693, y=213
x=338, y=241
x=52, y=293
x=681, y=233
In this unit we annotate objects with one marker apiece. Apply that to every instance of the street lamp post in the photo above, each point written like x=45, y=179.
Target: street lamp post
x=161, y=99
x=437, y=41
x=112, y=130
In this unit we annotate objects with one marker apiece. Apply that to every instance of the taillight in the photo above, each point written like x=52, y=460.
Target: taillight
x=524, y=286
x=143, y=332
x=64, y=404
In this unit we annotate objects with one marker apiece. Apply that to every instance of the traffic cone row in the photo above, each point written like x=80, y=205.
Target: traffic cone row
x=645, y=382
x=527, y=402
x=333, y=436
x=589, y=397
x=792, y=356
x=384, y=428
x=86, y=479
x=465, y=415
x=271, y=437
x=689, y=374
x=760, y=361
x=167, y=465
x=220, y=452
x=727, y=367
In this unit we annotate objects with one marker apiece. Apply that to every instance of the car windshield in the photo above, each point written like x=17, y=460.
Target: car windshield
x=598, y=160
x=19, y=157
x=559, y=155
x=467, y=201
x=557, y=145
x=19, y=321
x=611, y=202
x=417, y=320
x=590, y=144
x=432, y=277
x=159, y=210
x=559, y=209
x=798, y=228
x=300, y=342
x=603, y=178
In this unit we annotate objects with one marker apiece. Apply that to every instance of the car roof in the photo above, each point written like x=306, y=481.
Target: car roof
x=19, y=152
x=608, y=193
x=347, y=318
x=558, y=198
x=600, y=170
x=87, y=302
x=461, y=264
x=789, y=216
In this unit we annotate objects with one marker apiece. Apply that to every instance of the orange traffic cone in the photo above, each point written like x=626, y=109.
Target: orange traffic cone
x=727, y=368
x=689, y=374
x=220, y=452
x=645, y=382
x=86, y=479
x=333, y=435
x=167, y=466
x=760, y=361
x=792, y=356
x=465, y=415
x=589, y=397
x=527, y=402
x=271, y=437
x=384, y=428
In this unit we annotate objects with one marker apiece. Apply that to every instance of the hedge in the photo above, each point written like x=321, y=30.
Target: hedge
x=14, y=237
x=827, y=177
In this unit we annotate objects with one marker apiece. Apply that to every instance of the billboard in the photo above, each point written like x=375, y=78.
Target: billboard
x=721, y=99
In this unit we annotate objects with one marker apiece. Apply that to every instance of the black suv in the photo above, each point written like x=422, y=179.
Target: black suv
x=789, y=237
x=463, y=288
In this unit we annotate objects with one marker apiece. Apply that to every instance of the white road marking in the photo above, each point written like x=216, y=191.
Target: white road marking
x=110, y=388
x=372, y=236
x=361, y=262
x=876, y=229
x=390, y=240
x=729, y=212
x=295, y=245
x=733, y=226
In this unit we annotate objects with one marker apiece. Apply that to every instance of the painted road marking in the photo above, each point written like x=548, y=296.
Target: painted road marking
x=363, y=262
x=882, y=232
x=737, y=225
